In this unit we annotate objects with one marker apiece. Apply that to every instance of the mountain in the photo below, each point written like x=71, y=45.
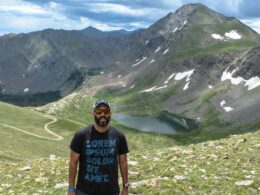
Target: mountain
x=194, y=62
x=95, y=33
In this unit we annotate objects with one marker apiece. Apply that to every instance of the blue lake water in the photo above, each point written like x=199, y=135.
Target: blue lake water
x=153, y=124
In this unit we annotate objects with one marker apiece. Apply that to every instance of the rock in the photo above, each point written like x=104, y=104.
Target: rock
x=26, y=168
x=213, y=156
x=133, y=173
x=244, y=183
x=52, y=157
x=133, y=163
x=61, y=185
x=179, y=177
x=41, y=180
x=249, y=176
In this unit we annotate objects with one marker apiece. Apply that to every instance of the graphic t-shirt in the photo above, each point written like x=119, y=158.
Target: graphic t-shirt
x=98, y=164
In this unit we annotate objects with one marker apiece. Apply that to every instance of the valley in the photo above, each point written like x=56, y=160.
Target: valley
x=185, y=91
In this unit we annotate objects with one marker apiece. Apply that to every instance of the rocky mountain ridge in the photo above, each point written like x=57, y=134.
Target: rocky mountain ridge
x=192, y=62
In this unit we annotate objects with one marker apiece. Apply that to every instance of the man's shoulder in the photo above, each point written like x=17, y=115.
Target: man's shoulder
x=83, y=131
x=116, y=131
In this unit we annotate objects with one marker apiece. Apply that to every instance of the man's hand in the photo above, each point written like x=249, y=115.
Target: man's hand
x=71, y=193
x=124, y=191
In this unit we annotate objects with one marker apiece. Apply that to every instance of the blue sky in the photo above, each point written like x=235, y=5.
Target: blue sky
x=17, y=16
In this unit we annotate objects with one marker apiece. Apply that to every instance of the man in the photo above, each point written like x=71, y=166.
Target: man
x=98, y=149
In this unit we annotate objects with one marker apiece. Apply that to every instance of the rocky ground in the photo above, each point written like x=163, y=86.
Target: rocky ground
x=225, y=166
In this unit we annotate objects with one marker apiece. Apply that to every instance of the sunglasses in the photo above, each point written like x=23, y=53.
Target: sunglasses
x=99, y=111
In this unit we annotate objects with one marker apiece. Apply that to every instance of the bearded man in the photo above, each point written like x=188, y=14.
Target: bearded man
x=98, y=149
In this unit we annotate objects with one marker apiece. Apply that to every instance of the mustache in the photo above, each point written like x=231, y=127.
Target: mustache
x=103, y=117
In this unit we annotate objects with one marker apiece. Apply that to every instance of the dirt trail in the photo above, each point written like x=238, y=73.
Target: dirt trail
x=58, y=137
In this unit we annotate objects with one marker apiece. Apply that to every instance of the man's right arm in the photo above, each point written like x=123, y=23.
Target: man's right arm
x=73, y=165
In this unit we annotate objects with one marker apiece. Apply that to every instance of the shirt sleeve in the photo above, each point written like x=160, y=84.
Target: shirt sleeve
x=77, y=143
x=123, y=147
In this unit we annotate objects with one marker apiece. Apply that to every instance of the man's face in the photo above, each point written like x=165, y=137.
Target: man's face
x=102, y=115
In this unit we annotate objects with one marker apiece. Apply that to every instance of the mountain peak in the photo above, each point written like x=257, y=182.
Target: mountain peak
x=188, y=14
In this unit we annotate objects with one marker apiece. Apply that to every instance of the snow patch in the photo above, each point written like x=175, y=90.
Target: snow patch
x=154, y=88
x=132, y=86
x=152, y=61
x=175, y=29
x=26, y=90
x=158, y=49
x=181, y=75
x=144, y=58
x=110, y=74
x=251, y=83
x=222, y=103
x=169, y=78
x=228, y=109
x=186, y=86
x=233, y=35
x=119, y=76
x=217, y=36
x=101, y=72
x=210, y=86
x=146, y=42
x=166, y=51
x=184, y=22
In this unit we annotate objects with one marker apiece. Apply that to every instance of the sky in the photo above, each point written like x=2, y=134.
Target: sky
x=23, y=16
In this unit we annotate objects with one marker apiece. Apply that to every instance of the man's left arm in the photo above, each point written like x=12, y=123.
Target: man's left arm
x=124, y=172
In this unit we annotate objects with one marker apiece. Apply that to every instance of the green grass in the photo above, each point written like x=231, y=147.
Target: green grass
x=18, y=145
x=206, y=166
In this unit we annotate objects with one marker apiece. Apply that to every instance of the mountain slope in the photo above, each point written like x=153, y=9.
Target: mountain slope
x=194, y=62
x=224, y=166
x=27, y=134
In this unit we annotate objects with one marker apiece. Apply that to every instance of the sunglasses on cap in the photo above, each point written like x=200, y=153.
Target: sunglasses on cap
x=99, y=111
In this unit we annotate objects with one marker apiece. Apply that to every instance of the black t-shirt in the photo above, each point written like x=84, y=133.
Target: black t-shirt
x=98, y=164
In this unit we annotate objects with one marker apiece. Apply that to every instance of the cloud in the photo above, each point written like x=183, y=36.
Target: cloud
x=253, y=23
x=20, y=7
x=124, y=10
x=30, y=15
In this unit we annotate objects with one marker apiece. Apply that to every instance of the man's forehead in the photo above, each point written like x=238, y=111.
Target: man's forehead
x=103, y=106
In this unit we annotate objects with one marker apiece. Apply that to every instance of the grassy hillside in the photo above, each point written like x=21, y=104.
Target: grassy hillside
x=25, y=136
x=158, y=164
x=224, y=166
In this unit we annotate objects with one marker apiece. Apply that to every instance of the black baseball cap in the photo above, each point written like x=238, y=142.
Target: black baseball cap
x=99, y=102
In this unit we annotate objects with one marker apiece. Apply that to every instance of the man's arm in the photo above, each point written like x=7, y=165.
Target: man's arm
x=73, y=165
x=124, y=171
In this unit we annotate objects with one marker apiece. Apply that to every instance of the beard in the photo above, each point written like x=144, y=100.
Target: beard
x=102, y=121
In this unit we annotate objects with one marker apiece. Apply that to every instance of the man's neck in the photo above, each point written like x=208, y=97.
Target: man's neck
x=101, y=129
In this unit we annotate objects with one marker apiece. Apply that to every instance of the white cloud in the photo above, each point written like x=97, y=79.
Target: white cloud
x=124, y=10
x=85, y=22
x=21, y=7
x=25, y=16
x=253, y=23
